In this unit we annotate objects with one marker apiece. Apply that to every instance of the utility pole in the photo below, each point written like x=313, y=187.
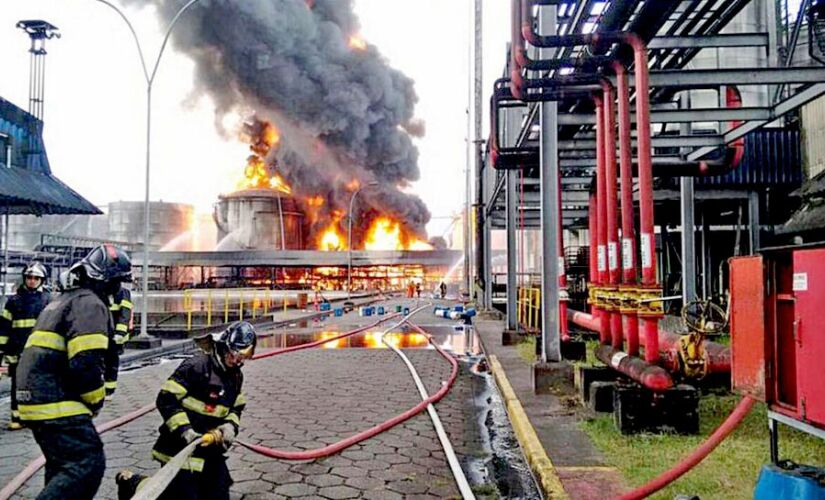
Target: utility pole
x=478, y=75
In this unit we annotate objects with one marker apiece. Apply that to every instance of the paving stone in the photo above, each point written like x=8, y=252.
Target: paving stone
x=251, y=487
x=346, y=472
x=338, y=492
x=294, y=490
x=407, y=487
x=323, y=480
x=366, y=483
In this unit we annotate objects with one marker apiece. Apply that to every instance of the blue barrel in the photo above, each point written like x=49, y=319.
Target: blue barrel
x=458, y=308
x=470, y=312
x=339, y=312
x=406, y=311
x=326, y=306
x=368, y=311
x=398, y=308
x=799, y=481
x=380, y=310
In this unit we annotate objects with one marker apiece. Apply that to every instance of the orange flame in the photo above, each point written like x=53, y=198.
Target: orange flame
x=331, y=240
x=356, y=42
x=387, y=234
x=256, y=174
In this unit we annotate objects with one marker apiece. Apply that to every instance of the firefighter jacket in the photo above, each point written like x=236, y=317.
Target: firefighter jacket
x=121, y=309
x=17, y=320
x=61, y=369
x=200, y=395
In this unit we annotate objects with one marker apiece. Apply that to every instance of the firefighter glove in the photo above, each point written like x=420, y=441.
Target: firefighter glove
x=213, y=437
x=190, y=435
x=228, y=433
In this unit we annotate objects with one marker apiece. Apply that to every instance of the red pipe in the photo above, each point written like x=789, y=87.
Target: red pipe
x=593, y=231
x=653, y=377
x=373, y=431
x=630, y=322
x=718, y=356
x=601, y=209
x=649, y=323
x=734, y=419
x=612, y=229
x=563, y=296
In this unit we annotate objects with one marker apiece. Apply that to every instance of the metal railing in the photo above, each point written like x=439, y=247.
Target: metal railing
x=529, y=308
x=235, y=304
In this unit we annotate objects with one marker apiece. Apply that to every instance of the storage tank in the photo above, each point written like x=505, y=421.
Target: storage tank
x=166, y=221
x=251, y=220
x=25, y=231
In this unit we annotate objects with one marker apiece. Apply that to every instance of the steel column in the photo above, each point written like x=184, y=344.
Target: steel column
x=688, y=224
x=754, y=221
x=549, y=177
x=512, y=254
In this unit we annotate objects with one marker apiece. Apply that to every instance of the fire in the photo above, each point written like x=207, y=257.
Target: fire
x=331, y=240
x=356, y=42
x=387, y=234
x=353, y=185
x=263, y=138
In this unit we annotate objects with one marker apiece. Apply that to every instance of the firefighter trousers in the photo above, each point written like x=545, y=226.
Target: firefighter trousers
x=74, y=458
x=15, y=413
x=211, y=484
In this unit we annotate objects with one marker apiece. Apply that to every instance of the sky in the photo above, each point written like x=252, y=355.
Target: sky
x=95, y=98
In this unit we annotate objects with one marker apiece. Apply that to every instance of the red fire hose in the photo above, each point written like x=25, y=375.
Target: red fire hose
x=373, y=431
x=734, y=419
x=35, y=465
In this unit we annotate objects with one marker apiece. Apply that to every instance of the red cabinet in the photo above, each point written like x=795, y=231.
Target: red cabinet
x=778, y=330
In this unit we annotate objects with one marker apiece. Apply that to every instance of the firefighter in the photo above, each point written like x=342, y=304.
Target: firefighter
x=16, y=322
x=202, y=399
x=60, y=375
x=121, y=310
x=443, y=289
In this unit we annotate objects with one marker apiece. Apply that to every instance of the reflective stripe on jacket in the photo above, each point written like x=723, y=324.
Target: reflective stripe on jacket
x=60, y=373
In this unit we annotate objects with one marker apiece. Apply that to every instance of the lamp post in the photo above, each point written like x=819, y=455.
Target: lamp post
x=150, y=79
x=349, y=237
x=5, y=269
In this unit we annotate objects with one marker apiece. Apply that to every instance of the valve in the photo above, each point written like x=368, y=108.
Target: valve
x=650, y=302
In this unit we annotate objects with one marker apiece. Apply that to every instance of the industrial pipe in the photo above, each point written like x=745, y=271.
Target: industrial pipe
x=563, y=295
x=653, y=377
x=723, y=431
x=612, y=229
x=592, y=230
x=601, y=216
x=630, y=322
x=717, y=356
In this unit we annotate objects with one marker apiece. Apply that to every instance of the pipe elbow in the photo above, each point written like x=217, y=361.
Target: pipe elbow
x=618, y=68
x=634, y=41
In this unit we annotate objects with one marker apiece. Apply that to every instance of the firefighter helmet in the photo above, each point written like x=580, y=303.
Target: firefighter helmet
x=239, y=338
x=105, y=263
x=35, y=269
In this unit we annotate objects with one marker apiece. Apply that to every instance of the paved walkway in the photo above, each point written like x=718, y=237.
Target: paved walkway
x=305, y=400
x=579, y=465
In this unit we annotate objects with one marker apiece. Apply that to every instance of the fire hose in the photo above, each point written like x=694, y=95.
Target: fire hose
x=372, y=431
x=734, y=419
x=35, y=465
x=452, y=459
x=165, y=473
x=156, y=485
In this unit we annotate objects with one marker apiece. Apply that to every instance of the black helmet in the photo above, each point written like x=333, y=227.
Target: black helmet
x=240, y=338
x=36, y=270
x=105, y=263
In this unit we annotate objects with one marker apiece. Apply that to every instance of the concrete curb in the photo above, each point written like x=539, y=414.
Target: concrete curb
x=540, y=463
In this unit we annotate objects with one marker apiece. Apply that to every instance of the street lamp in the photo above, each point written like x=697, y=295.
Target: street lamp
x=349, y=236
x=150, y=79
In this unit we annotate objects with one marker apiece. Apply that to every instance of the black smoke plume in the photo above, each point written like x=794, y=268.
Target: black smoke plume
x=343, y=112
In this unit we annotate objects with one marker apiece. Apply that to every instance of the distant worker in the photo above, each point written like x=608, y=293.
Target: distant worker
x=16, y=322
x=418, y=290
x=443, y=288
x=60, y=376
x=202, y=399
x=121, y=310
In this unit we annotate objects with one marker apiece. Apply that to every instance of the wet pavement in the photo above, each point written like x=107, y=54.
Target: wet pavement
x=311, y=398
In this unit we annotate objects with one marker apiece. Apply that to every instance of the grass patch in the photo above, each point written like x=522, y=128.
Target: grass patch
x=527, y=349
x=729, y=472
